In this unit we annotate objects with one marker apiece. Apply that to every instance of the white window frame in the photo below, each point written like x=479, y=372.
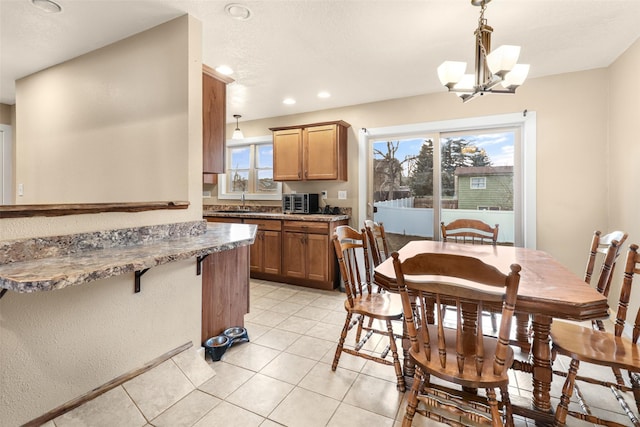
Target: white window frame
x=222, y=178
x=526, y=155
x=482, y=183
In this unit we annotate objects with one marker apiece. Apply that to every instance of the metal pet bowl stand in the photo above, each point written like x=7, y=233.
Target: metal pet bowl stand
x=216, y=346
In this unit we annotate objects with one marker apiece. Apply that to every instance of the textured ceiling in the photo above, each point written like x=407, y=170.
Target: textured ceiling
x=360, y=51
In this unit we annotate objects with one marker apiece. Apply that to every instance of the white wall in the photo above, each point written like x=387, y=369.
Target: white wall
x=61, y=344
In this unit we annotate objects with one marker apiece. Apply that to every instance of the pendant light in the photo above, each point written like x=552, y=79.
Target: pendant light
x=237, y=134
x=491, y=68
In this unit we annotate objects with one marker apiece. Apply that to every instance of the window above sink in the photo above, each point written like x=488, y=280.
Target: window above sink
x=249, y=171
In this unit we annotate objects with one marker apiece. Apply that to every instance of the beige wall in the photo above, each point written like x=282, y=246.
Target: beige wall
x=587, y=150
x=572, y=130
x=6, y=114
x=64, y=154
x=623, y=158
x=61, y=344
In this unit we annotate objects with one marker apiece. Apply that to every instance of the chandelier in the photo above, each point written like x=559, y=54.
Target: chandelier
x=495, y=72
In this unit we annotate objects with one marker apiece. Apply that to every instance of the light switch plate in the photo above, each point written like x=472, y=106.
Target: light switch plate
x=342, y=195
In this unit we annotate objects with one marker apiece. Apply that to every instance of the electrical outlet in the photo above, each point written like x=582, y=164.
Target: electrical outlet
x=324, y=194
x=20, y=189
x=342, y=195
x=206, y=194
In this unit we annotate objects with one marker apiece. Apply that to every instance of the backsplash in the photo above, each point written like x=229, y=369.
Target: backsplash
x=263, y=209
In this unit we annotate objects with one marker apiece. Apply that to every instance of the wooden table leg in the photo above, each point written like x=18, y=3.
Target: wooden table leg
x=522, y=331
x=542, y=373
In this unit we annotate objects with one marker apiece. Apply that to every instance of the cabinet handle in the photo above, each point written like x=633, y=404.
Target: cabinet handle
x=306, y=174
x=299, y=174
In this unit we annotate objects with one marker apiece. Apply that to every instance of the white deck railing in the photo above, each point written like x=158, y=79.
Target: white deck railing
x=400, y=217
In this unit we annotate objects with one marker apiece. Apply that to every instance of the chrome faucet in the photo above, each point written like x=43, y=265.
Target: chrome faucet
x=242, y=197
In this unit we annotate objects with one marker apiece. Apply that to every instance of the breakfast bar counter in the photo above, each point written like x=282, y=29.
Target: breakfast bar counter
x=48, y=263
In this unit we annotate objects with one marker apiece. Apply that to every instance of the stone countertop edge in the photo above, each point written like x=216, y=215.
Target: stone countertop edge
x=271, y=215
x=59, y=272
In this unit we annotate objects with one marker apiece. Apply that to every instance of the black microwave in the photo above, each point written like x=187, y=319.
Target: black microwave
x=300, y=203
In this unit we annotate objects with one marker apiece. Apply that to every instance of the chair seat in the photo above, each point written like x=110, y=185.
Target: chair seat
x=588, y=345
x=380, y=306
x=469, y=377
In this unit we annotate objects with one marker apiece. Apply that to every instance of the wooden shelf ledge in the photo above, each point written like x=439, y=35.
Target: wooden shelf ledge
x=20, y=211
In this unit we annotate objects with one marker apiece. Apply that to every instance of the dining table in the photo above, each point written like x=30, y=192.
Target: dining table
x=548, y=290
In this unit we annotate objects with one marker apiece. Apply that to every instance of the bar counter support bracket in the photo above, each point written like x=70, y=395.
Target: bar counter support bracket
x=199, y=264
x=138, y=274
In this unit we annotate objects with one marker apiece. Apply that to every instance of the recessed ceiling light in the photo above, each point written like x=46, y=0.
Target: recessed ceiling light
x=47, y=5
x=224, y=69
x=324, y=94
x=238, y=11
x=289, y=101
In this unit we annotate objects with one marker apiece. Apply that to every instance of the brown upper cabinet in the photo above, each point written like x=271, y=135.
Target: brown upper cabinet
x=214, y=112
x=315, y=151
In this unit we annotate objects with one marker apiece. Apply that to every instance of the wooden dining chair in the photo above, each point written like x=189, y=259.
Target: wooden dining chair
x=472, y=231
x=607, y=349
x=469, y=231
x=599, y=249
x=377, y=241
x=607, y=248
x=365, y=304
x=463, y=357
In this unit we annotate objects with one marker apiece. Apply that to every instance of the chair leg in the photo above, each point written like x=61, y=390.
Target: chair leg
x=567, y=392
x=635, y=386
x=359, y=330
x=343, y=337
x=496, y=419
x=494, y=322
x=412, y=398
x=506, y=403
x=394, y=354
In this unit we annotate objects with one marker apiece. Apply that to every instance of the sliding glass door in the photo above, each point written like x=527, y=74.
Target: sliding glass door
x=420, y=181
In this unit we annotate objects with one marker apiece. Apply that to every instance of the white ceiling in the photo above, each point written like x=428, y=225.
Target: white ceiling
x=360, y=51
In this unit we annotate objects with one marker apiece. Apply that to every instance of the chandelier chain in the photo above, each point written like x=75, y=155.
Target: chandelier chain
x=481, y=23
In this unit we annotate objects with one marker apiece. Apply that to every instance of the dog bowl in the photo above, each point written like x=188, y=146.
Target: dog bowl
x=216, y=347
x=236, y=334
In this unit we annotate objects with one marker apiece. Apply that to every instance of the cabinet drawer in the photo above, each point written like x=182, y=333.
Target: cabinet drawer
x=265, y=224
x=224, y=219
x=307, y=227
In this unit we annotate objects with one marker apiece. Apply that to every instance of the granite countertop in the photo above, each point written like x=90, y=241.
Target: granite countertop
x=275, y=215
x=81, y=266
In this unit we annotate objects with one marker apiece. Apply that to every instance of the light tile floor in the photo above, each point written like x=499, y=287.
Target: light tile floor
x=281, y=377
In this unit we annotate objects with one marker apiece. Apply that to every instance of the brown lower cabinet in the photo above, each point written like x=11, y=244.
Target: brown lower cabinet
x=225, y=290
x=306, y=245
x=265, y=256
x=295, y=252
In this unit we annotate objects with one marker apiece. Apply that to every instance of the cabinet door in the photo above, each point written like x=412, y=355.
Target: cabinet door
x=287, y=155
x=256, y=253
x=214, y=94
x=317, y=257
x=294, y=253
x=320, y=152
x=271, y=252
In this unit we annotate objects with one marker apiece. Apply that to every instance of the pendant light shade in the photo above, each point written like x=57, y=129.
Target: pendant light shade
x=237, y=134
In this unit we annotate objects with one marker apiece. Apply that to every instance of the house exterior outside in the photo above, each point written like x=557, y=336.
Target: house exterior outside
x=485, y=187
